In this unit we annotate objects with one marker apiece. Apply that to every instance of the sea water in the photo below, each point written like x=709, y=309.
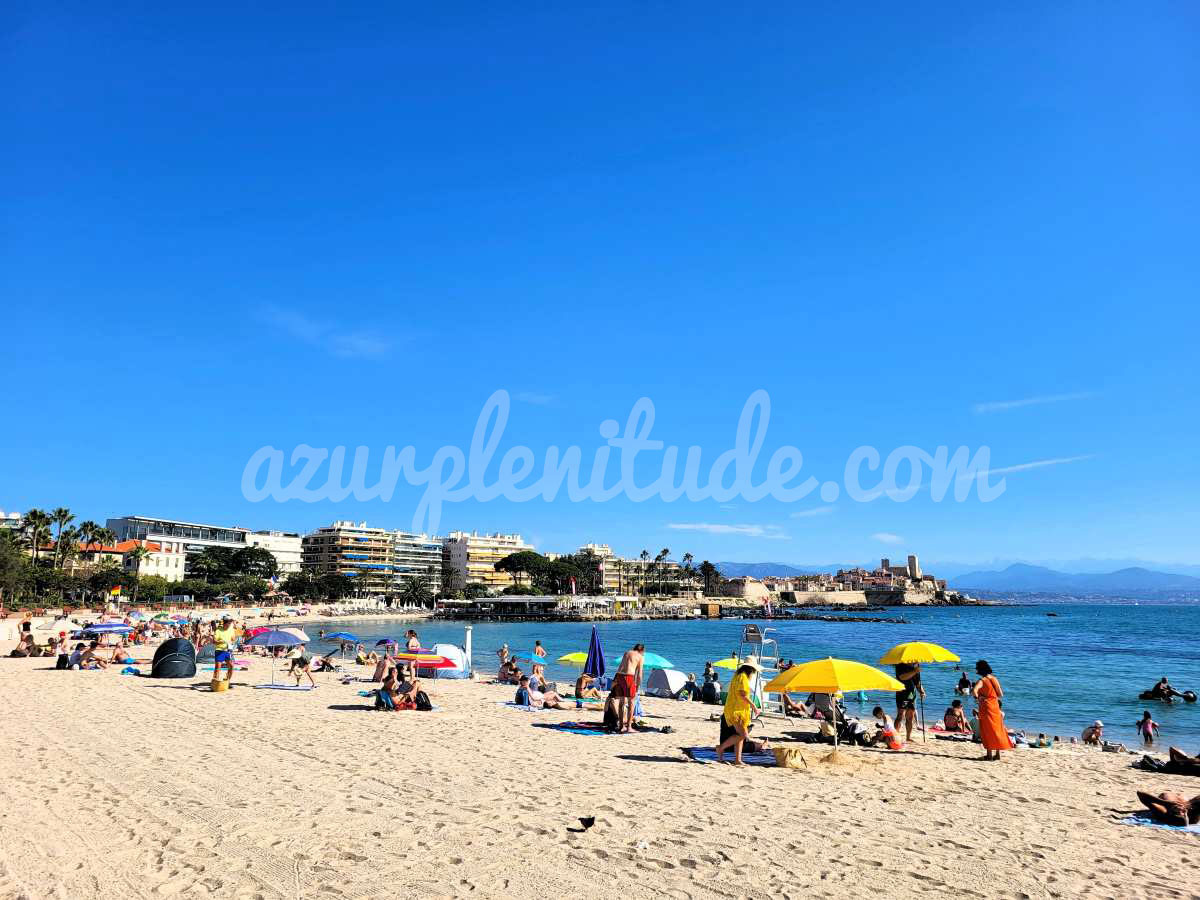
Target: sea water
x=1059, y=673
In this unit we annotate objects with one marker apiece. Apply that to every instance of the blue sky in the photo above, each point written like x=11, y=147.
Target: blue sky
x=227, y=227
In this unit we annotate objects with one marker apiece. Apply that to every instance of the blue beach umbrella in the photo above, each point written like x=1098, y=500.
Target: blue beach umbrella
x=109, y=628
x=343, y=636
x=273, y=637
x=654, y=661
x=384, y=641
x=595, y=657
x=529, y=656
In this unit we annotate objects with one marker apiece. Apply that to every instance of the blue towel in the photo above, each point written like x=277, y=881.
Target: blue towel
x=708, y=755
x=1136, y=819
x=572, y=727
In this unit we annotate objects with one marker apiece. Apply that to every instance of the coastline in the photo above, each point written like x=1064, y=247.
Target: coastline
x=149, y=788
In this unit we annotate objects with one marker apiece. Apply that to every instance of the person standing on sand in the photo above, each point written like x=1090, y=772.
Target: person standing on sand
x=625, y=684
x=224, y=639
x=739, y=710
x=988, y=693
x=908, y=674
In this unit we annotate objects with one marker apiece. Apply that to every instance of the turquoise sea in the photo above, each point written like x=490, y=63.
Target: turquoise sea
x=1059, y=672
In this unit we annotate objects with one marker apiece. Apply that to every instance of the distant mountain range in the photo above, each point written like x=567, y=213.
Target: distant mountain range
x=1018, y=577
x=1024, y=577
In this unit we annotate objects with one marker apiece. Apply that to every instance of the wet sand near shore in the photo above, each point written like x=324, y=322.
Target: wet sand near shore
x=128, y=787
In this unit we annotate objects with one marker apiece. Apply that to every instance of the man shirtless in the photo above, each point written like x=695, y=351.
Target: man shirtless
x=625, y=684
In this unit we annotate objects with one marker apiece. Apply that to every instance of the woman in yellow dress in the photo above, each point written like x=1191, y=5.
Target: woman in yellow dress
x=739, y=710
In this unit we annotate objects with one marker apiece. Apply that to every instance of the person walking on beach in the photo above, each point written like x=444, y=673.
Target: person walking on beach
x=988, y=693
x=739, y=710
x=625, y=684
x=908, y=674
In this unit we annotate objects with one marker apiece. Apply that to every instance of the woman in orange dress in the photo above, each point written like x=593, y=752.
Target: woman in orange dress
x=987, y=693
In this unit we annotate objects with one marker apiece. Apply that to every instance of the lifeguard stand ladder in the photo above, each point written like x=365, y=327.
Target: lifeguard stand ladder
x=765, y=650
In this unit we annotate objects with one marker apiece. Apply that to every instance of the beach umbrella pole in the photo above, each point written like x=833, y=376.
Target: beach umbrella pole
x=924, y=737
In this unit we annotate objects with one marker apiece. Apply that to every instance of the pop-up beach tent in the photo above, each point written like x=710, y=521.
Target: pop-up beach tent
x=174, y=658
x=664, y=682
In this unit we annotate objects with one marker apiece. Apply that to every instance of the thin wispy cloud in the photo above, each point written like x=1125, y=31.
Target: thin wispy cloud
x=767, y=532
x=346, y=344
x=886, y=537
x=1036, y=464
x=534, y=398
x=815, y=511
x=1002, y=405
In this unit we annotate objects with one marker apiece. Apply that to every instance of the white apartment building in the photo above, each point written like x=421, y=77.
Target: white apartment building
x=416, y=556
x=285, y=546
x=472, y=557
x=167, y=560
x=190, y=537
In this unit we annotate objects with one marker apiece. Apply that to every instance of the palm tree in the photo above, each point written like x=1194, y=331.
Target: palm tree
x=62, y=517
x=687, y=570
x=643, y=556
x=137, y=554
x=657, y=567
x=89, y=534
x=36, y=525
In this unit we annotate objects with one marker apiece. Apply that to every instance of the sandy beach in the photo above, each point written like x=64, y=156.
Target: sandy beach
x=129, y=787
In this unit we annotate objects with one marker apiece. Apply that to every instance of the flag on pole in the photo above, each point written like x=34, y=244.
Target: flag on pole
x=116, y=591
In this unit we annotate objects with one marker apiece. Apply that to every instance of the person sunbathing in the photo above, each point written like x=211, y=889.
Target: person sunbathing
x=585, y=687
x=89, y=660
x=547, y=699
x=1171, y=808
x=383, y=666
x=792, y=708
x=325, y=663
x=404, y=692
x=121, y=655
x=955, y=718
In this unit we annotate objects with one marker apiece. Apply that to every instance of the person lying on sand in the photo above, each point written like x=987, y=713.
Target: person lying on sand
x=1171, y=808
x=325, y=663
x=547, y=699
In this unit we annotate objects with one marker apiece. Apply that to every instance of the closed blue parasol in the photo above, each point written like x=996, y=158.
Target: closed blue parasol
x=595, y=657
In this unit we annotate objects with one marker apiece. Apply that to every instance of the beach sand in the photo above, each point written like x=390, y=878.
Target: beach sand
x=128, y=787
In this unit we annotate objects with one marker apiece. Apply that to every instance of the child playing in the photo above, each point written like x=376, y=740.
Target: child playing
x=1147, y=728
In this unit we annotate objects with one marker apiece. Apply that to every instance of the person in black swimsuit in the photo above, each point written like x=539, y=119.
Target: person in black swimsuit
x=909, y=674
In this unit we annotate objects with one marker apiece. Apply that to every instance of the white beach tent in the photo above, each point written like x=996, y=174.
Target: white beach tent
x=664, y=682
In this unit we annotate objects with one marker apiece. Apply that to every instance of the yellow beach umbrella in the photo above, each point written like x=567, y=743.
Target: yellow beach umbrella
x=917, y=652
x=729, y=662
x=573, y=659
x=828, y=676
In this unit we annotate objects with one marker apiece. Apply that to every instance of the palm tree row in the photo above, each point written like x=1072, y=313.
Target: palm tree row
x=67, y=540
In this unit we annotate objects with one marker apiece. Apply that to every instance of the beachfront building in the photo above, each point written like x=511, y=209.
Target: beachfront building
x=285, y=546
x=357, y=551
x=190, y=538
x=471, y=557
x=416, y=556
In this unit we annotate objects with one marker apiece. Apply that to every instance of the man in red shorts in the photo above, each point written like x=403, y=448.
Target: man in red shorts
x=625, y=685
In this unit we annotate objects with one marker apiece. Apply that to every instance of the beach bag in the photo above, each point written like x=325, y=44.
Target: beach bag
x=63, y=662
x=422, y=701
x=790, y=758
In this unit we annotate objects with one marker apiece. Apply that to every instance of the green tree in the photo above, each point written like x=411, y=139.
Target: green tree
x=245, y=588
x=416, y=592
x=257, y=561
x=137, y=555
x=475, y=590
x=335, y=585
x=15, y=567
x=36, y=526
x=523, y=562
x=62, y=517
x=153, y=588
x=711, y=576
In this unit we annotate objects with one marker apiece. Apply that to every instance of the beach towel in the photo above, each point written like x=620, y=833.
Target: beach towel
x=131, y=670
x=1137, y=819
x=588, y=728
x=708, y=755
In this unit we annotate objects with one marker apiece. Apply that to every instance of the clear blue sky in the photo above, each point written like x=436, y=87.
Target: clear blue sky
x=232, y=225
